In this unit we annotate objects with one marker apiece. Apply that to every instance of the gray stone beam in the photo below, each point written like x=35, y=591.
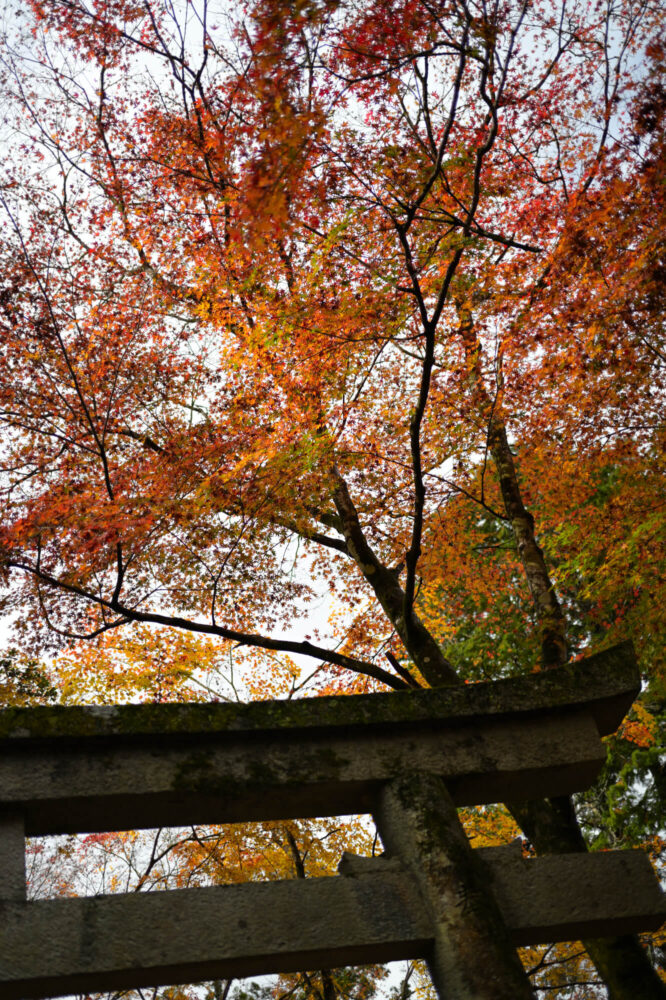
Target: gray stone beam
x=120, y=783
x=97, y=944
x=374, y=913
x=605, y=683
x=75, y=769
x=565, y=897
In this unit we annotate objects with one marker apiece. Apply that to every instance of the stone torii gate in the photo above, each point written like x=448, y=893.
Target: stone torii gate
x=408, y=758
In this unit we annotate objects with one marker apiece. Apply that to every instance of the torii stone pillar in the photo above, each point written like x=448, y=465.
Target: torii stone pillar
x=408, y=758
x=472, y=954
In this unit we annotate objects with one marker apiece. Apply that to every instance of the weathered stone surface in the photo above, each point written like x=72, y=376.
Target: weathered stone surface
x=559, y=897
x=472, y=956
x=607, y=682
x=189, y=935
x=374, y=914
x=565, y=897
x=12, y=856
x=122, y=784
x=85, y=769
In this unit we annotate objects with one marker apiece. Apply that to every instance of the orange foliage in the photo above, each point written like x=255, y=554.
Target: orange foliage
x=286, y=289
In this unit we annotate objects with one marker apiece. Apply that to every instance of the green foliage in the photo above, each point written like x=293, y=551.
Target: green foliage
x=24, y=681
x=627, y=805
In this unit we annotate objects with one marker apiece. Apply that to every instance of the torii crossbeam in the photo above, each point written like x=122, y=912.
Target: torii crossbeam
x=408, y=758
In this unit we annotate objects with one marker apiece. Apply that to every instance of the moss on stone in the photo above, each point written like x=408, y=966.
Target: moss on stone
x=608, y=681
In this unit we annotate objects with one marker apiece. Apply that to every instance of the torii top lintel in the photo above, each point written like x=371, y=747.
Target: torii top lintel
x=606, y=684
x=76, y=769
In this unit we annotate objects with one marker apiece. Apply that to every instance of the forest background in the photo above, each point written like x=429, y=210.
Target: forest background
x=362, y=300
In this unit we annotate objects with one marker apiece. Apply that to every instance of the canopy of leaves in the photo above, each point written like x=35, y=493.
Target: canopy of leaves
x=343, y=298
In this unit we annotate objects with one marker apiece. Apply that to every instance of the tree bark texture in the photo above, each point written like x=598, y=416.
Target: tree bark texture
x=416, y=638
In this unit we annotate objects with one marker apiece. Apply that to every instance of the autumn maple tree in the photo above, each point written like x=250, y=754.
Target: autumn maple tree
x=344, y=297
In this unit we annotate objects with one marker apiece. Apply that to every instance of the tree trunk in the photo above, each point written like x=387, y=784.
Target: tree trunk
x=549, y=614
x=551, y=824
x=416, y=638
